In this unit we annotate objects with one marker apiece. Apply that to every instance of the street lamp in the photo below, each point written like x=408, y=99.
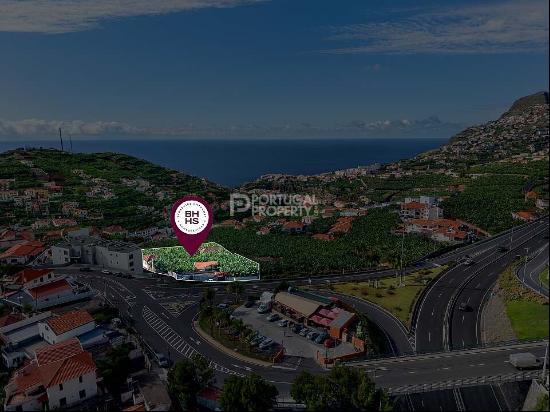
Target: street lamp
x=525, y=264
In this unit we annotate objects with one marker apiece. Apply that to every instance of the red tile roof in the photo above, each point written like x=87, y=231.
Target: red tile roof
x=69, y=321
x=62, y=368
x=10, y=319
x=29, y=248
x=293, y=224
x=413, y=205
x=28, y=275
x=49, y=288
x=205, y=265
x=54, y=353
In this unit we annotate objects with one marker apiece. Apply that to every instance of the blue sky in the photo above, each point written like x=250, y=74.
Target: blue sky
x=279, y=68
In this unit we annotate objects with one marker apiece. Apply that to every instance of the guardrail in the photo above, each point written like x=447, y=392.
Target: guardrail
x=494, y=345
x=460, y=383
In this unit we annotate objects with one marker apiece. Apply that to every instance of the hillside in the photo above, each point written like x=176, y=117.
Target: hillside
x=101, y=189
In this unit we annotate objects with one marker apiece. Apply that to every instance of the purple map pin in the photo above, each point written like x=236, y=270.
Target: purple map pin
x=191, y=219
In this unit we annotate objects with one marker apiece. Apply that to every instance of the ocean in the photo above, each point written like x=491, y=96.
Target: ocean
x=233, y=162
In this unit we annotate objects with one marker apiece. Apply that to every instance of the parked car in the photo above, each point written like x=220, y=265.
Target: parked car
x=85, y=269
x=297, y=328
x=304, y=332
x=263, y=308
x=162, y=361
x=106, y=272
x=257, y=340
x=266, y=343
x=273, y=317
x=223, y=306
x=312, y=335
x=321, y=337
x=249, y=304
x=118, y=274
x=329, y=343
x=283, y=323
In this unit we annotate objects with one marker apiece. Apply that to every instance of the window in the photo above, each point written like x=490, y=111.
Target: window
x=60, y=386
x=80, y=379
x=49, y=275
x=62, y=401
x=82, y=394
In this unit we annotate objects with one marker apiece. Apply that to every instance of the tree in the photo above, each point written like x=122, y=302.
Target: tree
x=187, y=377
x=282, y=287
x=237, y=288
x=208, y=295
x=115, y=368
x=27, y=308
x=343, y=388
x=249, y=393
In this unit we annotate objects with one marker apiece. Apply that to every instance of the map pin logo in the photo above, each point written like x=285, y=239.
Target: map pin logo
x=191, y=219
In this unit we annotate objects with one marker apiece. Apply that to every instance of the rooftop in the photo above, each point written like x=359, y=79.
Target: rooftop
x=49, y=288
x=29, y=274
x=69, y=321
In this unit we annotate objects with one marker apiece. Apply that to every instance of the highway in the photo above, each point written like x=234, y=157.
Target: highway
x=529, y=273
x=163, y=312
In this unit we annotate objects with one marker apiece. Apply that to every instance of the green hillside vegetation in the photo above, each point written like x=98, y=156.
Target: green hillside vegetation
x=176, y=259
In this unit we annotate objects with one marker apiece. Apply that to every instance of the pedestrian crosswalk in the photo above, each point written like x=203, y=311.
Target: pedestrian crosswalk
x=173, y=339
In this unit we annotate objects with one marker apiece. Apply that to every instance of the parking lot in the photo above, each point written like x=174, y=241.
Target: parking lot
x=293, y=343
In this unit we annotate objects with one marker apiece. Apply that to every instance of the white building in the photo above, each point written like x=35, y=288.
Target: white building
x=96, y=251
x=60, y=376
x=69, y=325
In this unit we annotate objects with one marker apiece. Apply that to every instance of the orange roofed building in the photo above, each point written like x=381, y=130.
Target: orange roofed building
x=66, y=326
x=60, y=376
x=22, y=253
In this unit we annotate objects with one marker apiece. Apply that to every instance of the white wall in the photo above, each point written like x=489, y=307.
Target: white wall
x=49, y=335
x=71, y=390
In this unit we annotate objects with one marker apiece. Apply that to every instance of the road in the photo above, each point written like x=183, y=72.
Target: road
x=152, y=303
x=529, y=274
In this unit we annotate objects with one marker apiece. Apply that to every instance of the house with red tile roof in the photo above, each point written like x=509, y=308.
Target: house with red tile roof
x=524, y=215
x=60, y=376
x=11, y=319
x=30, y=277
x=69, y=325
x=293, y=226
x=22, y=253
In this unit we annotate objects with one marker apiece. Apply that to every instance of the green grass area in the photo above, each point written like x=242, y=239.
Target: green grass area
x=529, y=319
x=176, y=259
x=527, y=310
x=399, y=300
x=543, y=277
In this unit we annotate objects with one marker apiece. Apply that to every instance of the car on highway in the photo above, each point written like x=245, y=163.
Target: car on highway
x=524, y=360
x=464, y=307
x=304, y=332
x=469, y=262
x=85, y=269
x=283, y=323
x=266, y=343
x=273, y=317
x=106, y=272
x=321, y=337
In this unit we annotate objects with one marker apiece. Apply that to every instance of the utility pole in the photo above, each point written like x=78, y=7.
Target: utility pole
x=525, y=265
x=71, y=141
x=402, y=252
x=545, y=364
